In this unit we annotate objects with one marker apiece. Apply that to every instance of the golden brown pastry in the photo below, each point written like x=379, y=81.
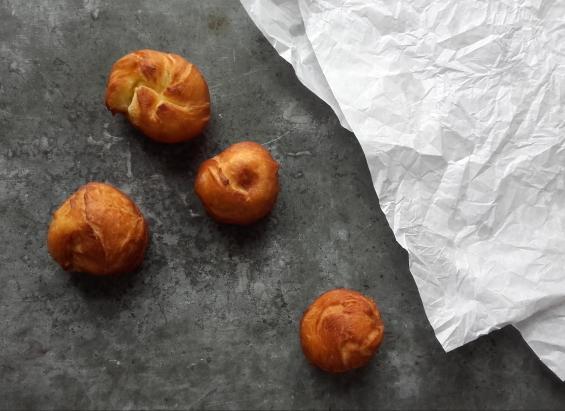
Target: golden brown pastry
x=162, y=94
x=98, y=230
x=240, y=185
x=341, y=330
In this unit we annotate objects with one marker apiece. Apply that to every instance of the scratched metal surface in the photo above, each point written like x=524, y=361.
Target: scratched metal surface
x=211, y=319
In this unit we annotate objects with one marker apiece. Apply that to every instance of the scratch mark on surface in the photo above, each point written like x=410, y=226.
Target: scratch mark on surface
x=210, y=390
x=250, y=72
x=300, y=153
x=114, y=139
x=22, y=116
x=276, y=139
x=194, y=214
x=128, y=163
x=162, y=312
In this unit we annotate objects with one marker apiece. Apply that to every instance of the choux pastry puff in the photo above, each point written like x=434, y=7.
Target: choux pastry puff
x=98, y=230
x=162, y=94
x=240, y=185
x=341, y=330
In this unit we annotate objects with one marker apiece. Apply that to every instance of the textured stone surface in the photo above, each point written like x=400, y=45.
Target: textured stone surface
x=211, y=320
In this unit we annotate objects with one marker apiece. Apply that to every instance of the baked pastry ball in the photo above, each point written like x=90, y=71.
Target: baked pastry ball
x=240, y=185
x=341, y=330
x=162, y=94
x=98, y=230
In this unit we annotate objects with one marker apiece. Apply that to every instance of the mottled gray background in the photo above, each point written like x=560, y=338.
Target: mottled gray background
x=211, y=320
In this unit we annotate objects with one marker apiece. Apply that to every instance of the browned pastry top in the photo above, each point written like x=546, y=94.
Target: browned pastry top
x=162, y=94
x=341, y=330
x=239, y=185
x=98, y=230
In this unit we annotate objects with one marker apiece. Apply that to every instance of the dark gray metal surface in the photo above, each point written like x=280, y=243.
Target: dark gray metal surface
x=211, y=320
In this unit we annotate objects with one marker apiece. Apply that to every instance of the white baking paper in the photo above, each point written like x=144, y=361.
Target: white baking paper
x=459, y=109
x=285, y=31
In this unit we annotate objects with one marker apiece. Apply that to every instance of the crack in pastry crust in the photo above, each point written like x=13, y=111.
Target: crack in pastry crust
x=239, y=185
x=98, y=230
x=162, y=94
x=341, y=330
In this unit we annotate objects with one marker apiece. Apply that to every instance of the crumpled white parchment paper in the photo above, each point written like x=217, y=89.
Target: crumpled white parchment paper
x=458, y=107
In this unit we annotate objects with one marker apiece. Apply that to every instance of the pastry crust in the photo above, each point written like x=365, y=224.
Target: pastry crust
x=162, y=94
x=98, y=230
x=240, y=185
x=341, y=330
